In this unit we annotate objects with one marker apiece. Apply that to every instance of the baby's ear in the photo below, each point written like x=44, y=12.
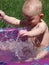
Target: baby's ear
x=41, y=15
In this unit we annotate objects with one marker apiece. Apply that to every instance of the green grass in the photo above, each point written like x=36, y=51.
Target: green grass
x=46, y=11
x=14, y=8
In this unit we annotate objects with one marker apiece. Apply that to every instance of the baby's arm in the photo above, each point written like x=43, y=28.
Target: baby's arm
x=8, y=19
x=11, y=20
x=37, y=31
x=40, y=29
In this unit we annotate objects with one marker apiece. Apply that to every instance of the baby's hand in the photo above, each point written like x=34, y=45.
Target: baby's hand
x=23, y=32
x=2, y=14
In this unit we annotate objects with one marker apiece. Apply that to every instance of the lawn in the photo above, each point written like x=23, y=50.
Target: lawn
x=14, y=8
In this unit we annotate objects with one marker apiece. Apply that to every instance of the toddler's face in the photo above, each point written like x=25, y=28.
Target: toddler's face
x=27, y=17
x=32, y=19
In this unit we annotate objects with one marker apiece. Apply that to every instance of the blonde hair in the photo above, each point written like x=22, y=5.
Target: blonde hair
x=32, y=7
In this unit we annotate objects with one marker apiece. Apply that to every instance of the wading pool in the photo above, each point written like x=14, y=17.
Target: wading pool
x=13, y=52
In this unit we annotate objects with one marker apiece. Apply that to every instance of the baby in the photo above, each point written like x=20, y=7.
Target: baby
x=37, y=30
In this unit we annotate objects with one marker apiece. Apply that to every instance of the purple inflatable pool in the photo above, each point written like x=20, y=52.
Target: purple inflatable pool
x=12, y=51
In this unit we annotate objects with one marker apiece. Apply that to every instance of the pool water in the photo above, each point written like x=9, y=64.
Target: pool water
x=14, y=48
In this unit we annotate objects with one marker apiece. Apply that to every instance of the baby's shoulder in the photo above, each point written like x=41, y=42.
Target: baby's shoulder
x=43, y=24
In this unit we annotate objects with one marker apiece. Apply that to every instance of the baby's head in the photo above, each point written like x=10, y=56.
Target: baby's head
x=32, y=10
